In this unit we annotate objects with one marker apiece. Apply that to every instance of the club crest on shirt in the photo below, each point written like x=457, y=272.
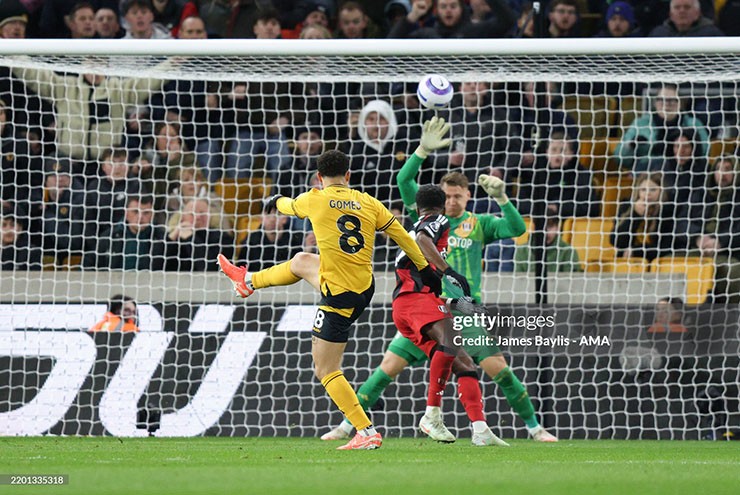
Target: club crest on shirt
x=466, y=227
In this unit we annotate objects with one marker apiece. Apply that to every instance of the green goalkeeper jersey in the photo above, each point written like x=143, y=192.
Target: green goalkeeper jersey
x=469, y=233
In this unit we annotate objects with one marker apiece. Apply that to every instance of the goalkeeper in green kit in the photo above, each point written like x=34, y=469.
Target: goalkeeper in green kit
x=469, y=234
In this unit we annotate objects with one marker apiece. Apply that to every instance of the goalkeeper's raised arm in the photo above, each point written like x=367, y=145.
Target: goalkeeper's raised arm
x=433, y=138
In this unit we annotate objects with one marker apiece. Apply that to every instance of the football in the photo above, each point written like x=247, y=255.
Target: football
x=434, y=91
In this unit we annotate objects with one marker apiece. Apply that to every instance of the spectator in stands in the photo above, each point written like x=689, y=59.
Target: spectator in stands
x=80, y=134
x=559, y=255
x=353, y=22
x=452, y=22
x=107, y=194
x=122, y=316
x=481, y=134
x=16, y=250
x=260, y=112
x=81, y=21
x=417, y=23
x=727, y=16
x=379, y=152
x=192, y=28
x=267, y=25
x=296, y=15
x=567, y=185
x=198, y=234
x=685, y=19
x=169, y=13
x=538, y=116
x=620, y=21
x=54, y=12
x=63, y=212
x=395, y=10
x=668, y=316
x=715, y=215
x=139, y=15
x=189, y=184
x=686, y=171
x=107, y=25
x=134, y=243
x=294, y=176
x=168, y=152
x=648, y=136
x=229, y=18
x=525, y=22
x=646, y=226
x=563, y=17
x=274, y=242
x=22, y=171
x=315, y=32
x=13, y=20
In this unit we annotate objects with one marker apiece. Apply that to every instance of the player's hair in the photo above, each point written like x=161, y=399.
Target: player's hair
x=430, y=196
x=455, y=179
x=333, y=163
x=115, y=305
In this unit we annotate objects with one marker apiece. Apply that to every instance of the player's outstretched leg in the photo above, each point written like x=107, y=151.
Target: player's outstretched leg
x=238, y=275
x=302, y=266
x=516, y=395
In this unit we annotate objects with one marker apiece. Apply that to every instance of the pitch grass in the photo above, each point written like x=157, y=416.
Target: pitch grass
x=273, y=466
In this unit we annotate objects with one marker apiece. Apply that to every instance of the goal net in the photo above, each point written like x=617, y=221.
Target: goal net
x=127, y=167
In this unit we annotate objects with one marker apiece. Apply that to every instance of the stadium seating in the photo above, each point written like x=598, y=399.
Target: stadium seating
x=594, y=115
x=590, y=237
x=615, y=189
x=699, y=274
x=630, y=107
x=619, y=265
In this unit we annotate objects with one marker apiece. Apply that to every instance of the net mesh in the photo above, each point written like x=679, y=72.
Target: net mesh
x=128, y=175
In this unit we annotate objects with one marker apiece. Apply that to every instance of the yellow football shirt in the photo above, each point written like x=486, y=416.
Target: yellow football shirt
x=344, y=222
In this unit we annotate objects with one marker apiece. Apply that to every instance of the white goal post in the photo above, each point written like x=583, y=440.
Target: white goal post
x=644, y=290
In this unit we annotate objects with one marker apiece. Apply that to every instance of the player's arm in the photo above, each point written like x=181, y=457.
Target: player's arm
x=429, y=250
x=511, y=224
x=432, y=138
x=407, y=243
x=297, y=207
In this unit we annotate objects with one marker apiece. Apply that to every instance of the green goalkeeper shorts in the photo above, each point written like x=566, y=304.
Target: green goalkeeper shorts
x=404, y=348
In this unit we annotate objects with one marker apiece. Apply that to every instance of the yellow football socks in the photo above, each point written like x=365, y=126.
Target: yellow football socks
x=345, y=398
x=273, y=276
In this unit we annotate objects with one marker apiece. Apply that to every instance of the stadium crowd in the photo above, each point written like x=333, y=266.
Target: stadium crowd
x=107, y=172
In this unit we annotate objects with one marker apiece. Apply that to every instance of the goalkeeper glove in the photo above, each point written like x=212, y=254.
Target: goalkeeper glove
x=458, y=280
x=467, y=306
x=431, y=279
x=433, y=136
x=494, y=187
x=271, y=204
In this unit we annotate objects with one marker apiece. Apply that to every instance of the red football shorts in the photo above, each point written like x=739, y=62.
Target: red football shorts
x=413, y=311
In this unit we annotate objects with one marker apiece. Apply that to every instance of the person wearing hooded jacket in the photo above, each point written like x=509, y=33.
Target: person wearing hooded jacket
x=378, y=153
